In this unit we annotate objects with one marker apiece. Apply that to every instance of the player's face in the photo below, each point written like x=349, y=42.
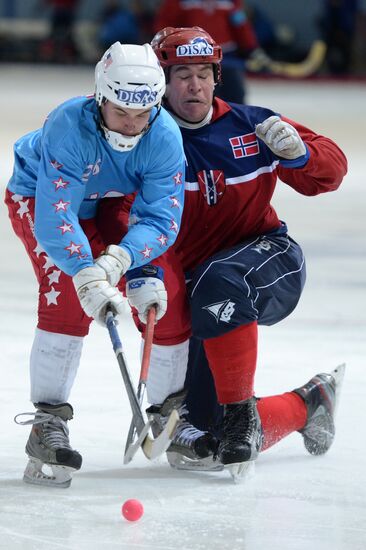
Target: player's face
x=190, y=91
x=129, y=122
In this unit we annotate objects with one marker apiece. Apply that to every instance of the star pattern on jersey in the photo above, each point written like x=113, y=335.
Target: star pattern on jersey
x=23, y=208
x=60, y=205
x=175, y=202
x=163, y=240
x=174, y=226
x=48, y=263
x=16, y=198
x=60, y=183
x=178, y=178
x=51, y=296
x=55, y=164
x=66, y=227
x=74, y=248
x=54, y=276
x=38, y=250
x=146, y=252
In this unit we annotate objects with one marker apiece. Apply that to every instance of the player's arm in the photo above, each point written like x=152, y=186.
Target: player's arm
x=60, y=192
x=309, y=162
x=242, y=29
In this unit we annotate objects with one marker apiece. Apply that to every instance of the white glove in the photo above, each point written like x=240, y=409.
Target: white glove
x=281, y=138
x=96, y=293
x=115, y=261
x=143, y=292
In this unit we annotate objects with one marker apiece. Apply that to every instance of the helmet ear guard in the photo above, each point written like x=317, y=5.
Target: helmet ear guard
x=187, y=45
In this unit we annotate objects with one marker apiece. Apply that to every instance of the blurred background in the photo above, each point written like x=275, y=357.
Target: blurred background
x=78, y=31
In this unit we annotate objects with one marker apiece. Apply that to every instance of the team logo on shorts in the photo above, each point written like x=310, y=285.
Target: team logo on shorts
x=212, y=185
x=222, y=311
x=198, y=46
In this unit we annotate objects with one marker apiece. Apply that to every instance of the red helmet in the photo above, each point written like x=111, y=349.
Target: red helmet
x=185, y=45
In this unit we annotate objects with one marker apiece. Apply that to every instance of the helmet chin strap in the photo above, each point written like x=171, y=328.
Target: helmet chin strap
x=122, y=142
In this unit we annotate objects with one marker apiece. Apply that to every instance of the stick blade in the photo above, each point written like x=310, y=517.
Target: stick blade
x=153, y=448
x=307, y=67
x=133, y=447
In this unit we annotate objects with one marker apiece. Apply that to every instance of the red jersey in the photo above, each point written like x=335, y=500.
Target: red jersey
x=231, y=176
x=225, y=21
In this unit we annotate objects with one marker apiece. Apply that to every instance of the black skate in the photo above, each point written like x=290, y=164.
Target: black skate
x=321, y=395
x=48, y=445
x=189, y=445
x=242, y=437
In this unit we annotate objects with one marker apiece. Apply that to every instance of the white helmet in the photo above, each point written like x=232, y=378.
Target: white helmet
x=129, y=76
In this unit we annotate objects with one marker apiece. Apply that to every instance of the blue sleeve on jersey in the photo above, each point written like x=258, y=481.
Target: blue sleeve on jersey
x=296, y=163
x=60, y=192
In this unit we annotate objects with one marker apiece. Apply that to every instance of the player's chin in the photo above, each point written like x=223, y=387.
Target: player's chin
x=195, y=111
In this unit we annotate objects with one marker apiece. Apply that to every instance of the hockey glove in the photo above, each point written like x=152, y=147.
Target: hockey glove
x=115, y=261
x=96, y=293
x=281, y=138
x=145, y=288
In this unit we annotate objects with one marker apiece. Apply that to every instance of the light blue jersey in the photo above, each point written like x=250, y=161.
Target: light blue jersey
x=69, y=166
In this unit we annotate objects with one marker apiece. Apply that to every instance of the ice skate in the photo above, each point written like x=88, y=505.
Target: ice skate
x=48, y=446
x=321, y=396
x=242, y=437
x=189, y=446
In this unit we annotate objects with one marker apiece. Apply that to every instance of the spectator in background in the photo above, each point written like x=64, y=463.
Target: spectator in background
x=60, y=46
x=118, y=24
x=228, y=24
x=338, y=25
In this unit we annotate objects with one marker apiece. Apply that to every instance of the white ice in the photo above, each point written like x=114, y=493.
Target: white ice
x=294, y=501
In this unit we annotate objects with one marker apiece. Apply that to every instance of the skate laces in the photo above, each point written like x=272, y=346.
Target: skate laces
x=185, y=433
x=54, y=432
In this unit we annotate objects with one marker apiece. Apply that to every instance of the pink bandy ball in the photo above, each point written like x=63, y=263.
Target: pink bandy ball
x=132, y=509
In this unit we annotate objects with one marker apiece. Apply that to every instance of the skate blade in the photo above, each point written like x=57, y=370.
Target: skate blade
x=34, y=474
x=241, y=471
x=181, y=462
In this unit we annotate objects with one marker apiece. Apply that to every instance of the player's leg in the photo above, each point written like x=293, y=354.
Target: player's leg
x=309, y=409
x=55, y=354
x=259, y=281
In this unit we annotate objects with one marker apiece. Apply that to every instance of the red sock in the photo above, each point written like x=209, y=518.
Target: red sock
x=280, y=416
x=232, y=358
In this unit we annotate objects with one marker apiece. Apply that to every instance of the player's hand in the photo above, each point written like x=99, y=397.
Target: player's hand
x=282, y=138
x=96, y=293
x=147, y=290
x=114, y=261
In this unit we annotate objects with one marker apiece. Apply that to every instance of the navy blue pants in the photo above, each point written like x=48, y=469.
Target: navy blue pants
x=261, y=279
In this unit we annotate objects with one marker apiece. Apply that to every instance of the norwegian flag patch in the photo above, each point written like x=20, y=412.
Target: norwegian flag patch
x=244, y=146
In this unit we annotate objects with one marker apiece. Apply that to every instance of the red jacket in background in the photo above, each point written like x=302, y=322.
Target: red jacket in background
x=225, y=21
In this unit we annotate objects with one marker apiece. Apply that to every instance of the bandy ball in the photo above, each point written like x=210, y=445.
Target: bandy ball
x=132, y=509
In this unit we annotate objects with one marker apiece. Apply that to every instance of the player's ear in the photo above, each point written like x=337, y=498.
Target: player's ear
x=167, y=90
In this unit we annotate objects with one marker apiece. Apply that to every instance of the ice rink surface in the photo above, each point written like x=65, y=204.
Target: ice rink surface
x=294, y=501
